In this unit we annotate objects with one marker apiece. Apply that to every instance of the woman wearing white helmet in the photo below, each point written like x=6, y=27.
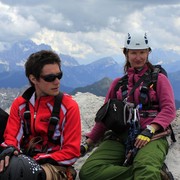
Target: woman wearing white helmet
x=133, y=153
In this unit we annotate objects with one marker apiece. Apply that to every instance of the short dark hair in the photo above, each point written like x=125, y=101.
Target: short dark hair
x=38, y=60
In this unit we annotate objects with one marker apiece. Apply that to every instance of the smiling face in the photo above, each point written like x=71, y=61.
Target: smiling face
x=137, y=57
x=43, y=87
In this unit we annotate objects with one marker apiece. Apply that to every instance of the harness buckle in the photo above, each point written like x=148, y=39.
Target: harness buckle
x=148, y=114
x=54, y=120
x=144, y=114
x=144, y=89
x=27, y=115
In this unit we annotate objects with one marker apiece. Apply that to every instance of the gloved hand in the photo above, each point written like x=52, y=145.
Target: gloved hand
x=144, y=137
x=9, y=151
x=5, y=156
x=84, y=149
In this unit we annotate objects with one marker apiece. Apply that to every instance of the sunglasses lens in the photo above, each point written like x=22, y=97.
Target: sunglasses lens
x=52, y=77
x=59, y=76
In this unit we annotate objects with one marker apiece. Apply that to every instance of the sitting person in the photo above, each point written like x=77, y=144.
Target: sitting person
x=43, y=131
x=158, y=110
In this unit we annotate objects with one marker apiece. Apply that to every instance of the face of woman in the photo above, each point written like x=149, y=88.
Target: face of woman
x=137, y=57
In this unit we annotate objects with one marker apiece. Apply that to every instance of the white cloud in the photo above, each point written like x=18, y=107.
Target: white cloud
x=83, y=44
x=90, y=29
x=14, y=26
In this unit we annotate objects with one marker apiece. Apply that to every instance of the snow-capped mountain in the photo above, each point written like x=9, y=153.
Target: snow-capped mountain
x=76, y=75
x=13, y=58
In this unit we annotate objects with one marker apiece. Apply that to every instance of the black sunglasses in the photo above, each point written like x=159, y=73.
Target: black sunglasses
x=52, y=77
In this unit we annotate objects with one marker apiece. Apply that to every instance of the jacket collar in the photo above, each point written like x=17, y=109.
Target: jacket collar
x=140, y=72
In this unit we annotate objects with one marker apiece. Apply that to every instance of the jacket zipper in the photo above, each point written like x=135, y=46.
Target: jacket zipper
x=35, y=114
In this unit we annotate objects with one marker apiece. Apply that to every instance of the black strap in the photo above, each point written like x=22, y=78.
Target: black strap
x=144, y=91
x=28, y=93
x=27, y=122
x=138, y=83
x=54, y=119
x=124, y=80
x=172, y=133
x=155, y=75
x=27, y=114
x=55, y=116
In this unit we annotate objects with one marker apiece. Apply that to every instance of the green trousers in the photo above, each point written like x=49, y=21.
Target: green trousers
x=105, y=163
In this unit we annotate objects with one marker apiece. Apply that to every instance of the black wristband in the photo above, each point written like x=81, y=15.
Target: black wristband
x=84, y=149
x=147, y=133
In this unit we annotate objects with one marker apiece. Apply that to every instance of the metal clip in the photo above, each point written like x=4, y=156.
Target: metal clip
x=114, y=107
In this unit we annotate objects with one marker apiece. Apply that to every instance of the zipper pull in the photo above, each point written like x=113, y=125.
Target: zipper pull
x=34, y=115
x=114, y=107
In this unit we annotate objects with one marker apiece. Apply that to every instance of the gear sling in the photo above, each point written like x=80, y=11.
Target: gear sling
x=54, y=119
x=150, y=80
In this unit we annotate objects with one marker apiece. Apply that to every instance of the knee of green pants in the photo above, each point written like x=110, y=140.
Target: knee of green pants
x=109, y=155
x=149, y=160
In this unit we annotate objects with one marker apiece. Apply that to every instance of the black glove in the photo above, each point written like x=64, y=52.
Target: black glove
x=84, y=148
x=9, y=151
x=146, y=134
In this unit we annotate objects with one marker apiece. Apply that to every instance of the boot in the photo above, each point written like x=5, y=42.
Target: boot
x=165, y=173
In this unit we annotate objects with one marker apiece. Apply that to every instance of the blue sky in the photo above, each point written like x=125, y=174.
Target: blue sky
x=89, y=29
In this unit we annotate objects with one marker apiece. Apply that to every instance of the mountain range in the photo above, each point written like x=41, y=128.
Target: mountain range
x=77, y=75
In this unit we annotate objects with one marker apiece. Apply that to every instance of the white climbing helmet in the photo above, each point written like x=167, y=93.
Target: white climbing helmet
x=136, y=41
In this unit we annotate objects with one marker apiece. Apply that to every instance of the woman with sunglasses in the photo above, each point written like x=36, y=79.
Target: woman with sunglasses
x=27, y=131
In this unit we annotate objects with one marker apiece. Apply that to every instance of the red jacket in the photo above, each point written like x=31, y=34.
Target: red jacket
x=163, y=95
x=68, y=130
